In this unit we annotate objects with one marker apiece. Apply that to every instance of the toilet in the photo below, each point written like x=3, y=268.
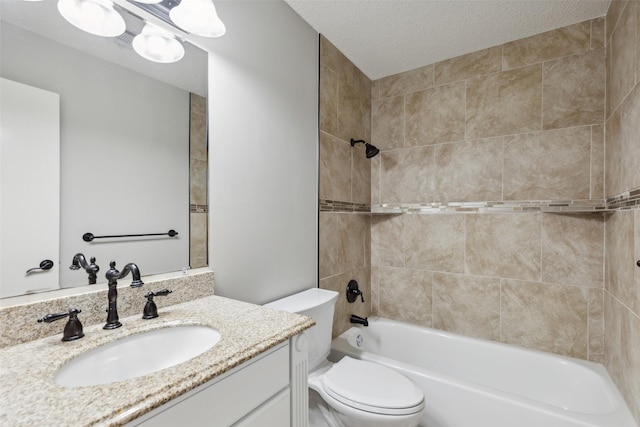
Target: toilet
x=350, y=392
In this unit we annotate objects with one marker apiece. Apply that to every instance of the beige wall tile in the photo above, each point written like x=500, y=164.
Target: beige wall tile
x=504, y=245
x=546, y=165
x=573, y=90
x=335, y=168
x=344, y=309
x=597, y=33
x=375, y=291
x=407, y=175
x=474, y=64
x=387, y=240
x=469, y=171
x=198, y=239
x=620, y=262
x=342, y=242
x=375, y=90
x=467, y=305
x=637, y=7
x=435, y=115
x=375, y=179
x=504, y=103
x=329, y=86
x=353, y=95
x=573, y=249
x=597, y=162
x=595, y=325
x=546, y=317
x=613, y=15
x=621, y=76
x=360, y=175
x=329, y=245
x=435, y=242
x=198, y=128
x=636, y=258
x=198, y=182
x=352, y=237
x=405, y=295
x=622, y=351
x=387, y=123
x=545, y=46
x=354, y=106
x=409, y=81
x=630, y=140
x=622, y=148
x=613, y=155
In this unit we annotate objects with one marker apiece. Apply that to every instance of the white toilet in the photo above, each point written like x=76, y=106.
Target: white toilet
x=357, y=393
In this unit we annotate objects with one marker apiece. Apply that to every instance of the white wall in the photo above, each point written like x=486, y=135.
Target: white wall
x=263, y=153
x=124, y=155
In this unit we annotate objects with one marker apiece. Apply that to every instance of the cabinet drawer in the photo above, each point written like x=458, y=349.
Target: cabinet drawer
x=224, y=401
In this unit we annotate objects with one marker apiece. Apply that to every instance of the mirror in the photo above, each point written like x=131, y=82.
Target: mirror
x=133, y=141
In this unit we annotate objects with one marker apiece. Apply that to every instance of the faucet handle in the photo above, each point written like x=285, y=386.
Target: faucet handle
x=353, y=291
x=73, y=328
x=150, y=309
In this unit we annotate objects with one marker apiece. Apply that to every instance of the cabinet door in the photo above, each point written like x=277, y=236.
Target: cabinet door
x=30, y=182
x=273, y=413
x=223, y=402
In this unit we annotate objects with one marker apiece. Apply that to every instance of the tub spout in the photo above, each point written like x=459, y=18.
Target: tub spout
x=359, y=320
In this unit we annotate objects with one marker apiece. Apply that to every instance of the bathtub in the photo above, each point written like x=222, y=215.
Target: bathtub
x=470, y=382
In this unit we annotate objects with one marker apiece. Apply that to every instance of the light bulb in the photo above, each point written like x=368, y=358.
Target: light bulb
x=198, y=17
x=157, y=45
x=93, y=16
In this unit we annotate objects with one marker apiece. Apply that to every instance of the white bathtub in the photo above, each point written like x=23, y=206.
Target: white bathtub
x=469, y=382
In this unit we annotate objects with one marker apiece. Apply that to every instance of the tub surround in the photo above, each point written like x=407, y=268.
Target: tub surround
x=30, y=395
x=21, y=313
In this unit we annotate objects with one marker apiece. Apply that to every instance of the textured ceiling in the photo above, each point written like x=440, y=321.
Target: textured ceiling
x=385, y=37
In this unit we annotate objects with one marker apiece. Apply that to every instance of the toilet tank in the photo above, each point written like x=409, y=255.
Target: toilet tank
x=318, y=304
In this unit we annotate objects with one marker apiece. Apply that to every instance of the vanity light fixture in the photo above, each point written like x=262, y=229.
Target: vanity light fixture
x=158, y=45
x=93, y=16
x=198, y=17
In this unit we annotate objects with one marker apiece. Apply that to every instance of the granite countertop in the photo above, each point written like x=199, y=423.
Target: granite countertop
x=29, y=395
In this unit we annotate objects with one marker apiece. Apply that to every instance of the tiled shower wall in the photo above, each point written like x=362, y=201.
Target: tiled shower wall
x=518, y=122
x=345, y=183
x=622, y=179
x=522, y=121
x=198, y=201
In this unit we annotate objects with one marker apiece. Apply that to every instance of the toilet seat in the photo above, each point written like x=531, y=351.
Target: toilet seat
x=372, y=388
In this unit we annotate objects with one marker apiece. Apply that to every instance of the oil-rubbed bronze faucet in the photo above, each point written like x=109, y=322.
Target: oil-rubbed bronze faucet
x=112, y=276
x=73, y=328
x=151, y=309
x=92, y=269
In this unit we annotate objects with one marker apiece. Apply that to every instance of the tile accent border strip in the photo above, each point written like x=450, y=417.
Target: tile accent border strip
x=627, y=200
x=558, y=206
x=198, y=208
x=338, y=206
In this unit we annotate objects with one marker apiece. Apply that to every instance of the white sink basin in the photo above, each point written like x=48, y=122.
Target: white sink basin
x=137, y=355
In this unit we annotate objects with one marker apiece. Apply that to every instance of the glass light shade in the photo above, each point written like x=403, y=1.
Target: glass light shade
x=158, y=45
x=93, y=16
x=148, y=1
x=198, y=17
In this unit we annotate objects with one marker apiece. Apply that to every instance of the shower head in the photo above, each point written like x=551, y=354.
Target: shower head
x=370, y=150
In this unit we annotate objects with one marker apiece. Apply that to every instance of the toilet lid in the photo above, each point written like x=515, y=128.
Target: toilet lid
x=372, y=387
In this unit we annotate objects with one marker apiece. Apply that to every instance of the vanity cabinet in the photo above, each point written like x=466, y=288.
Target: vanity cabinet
x=263, y=391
